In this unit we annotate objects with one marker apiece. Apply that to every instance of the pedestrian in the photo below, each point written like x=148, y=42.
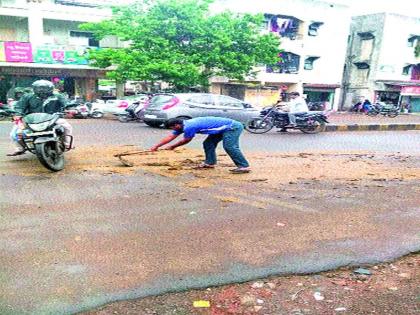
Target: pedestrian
x=218, y=129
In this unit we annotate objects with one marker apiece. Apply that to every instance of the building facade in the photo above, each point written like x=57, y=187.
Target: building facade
x=313, y=43
x=41, y=39
x=381, y=64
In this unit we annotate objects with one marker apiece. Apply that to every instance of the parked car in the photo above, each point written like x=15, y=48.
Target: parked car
x=163, y=107
x=118, y=107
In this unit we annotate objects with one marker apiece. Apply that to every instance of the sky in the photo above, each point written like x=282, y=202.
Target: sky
x=404, y=7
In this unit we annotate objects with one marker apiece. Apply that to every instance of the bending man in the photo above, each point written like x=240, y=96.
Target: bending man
x=218, y=129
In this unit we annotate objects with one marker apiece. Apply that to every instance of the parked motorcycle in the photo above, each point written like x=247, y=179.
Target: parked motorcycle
x=6, y=112
x=83, y=110
x=311, y=122
x=383, y=109
x=41, y=136
x=134, y=112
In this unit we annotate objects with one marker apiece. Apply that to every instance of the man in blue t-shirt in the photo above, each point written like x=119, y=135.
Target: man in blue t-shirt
x=218, y=129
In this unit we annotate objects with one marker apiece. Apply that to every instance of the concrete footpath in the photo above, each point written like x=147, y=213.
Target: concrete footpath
x=343, y=121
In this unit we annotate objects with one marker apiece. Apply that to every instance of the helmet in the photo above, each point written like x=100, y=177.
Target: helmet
x=43, y=88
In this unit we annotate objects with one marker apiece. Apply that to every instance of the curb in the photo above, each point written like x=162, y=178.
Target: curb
x=389, y=127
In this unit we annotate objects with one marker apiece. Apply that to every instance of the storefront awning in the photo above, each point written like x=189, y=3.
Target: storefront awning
x=37, y=69
x=400, y=83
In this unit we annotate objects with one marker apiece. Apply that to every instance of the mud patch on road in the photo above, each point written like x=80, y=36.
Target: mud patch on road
x=268, y=170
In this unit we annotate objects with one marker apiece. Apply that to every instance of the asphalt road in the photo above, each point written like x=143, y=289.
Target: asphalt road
x=111, y=132
x=74, y=240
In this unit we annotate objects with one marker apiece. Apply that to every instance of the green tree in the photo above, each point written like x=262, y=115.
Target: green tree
x=182, y=43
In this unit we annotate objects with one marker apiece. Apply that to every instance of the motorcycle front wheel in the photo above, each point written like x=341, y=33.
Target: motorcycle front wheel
x=372, y=113
x=316, y=127
x=49, y=157
x=259, y=125
x=97, y=115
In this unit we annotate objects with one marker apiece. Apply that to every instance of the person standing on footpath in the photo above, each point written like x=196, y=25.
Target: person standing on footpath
x=218, y=129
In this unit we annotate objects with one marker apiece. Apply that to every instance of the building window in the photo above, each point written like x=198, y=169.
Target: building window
x=285, y=26
x=407, y=70
x=83, y=39
x=366, y=35
x=362, y=65
x=412, y=40
x=289, y=64
x=309, y=63
x=313, y=28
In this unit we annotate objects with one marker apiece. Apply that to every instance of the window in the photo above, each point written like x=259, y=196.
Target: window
x=289, y=64
x=83, y=39
x=309, y=63
x=407, y=70
x=227, y=101
x=362, y=65
x=366, y=35
x=202, y=99
x=313, y=28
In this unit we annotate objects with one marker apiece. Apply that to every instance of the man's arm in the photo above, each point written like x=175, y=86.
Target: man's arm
x=164, y=141
x=179, y=143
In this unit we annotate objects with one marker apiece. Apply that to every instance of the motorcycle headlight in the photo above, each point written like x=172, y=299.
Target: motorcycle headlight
x=40, y=126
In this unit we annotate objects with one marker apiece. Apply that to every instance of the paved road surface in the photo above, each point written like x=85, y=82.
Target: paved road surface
x=89, y=132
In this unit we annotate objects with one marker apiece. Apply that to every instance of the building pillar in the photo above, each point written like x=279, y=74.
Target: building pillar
x=337, y=98
x=120, y=87
x=35, y=26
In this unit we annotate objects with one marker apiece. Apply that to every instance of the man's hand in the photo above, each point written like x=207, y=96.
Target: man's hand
x=15, y=118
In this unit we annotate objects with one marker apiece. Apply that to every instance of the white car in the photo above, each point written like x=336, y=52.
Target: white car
x=118, y=107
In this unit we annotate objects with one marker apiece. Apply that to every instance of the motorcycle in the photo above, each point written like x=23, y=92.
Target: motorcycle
x=6, y=112
x=383, y=109
x=134, y=112
x=310, y=122
x=40, y=135
x=86, y=110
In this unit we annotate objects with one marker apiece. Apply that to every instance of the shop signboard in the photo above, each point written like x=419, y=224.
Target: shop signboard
x=410, y=90
x=2, y=55
x=18, y=52
x=60, y=55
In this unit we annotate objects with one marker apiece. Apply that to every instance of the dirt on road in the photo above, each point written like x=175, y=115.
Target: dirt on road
x=389, y=288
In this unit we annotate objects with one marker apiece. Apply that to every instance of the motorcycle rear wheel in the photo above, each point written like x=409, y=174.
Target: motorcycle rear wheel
x=316, y=128
x=124, y=118
x=48, y=156
x=393, y=114
x=258, y=125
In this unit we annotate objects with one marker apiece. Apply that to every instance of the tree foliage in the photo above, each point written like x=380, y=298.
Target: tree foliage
x=182, y=43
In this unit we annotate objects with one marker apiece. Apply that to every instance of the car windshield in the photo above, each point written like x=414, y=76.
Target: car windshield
x=160, y=100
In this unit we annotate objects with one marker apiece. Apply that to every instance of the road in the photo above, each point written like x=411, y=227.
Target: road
x=88, y=132
x=97, y=232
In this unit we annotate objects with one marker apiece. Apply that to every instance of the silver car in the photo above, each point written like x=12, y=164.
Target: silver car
x=163, y=107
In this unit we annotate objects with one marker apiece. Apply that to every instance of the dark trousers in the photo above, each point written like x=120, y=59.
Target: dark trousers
x=230, y=144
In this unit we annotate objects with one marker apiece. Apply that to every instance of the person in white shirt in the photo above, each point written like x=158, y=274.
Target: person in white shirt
x=296, y=106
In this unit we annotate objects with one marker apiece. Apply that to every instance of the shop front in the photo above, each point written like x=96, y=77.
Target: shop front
x=410, y=98
x=323, y=94
x=77, y=80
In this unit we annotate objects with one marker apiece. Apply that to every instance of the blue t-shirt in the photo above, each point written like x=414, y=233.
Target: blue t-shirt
x=205, y=125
